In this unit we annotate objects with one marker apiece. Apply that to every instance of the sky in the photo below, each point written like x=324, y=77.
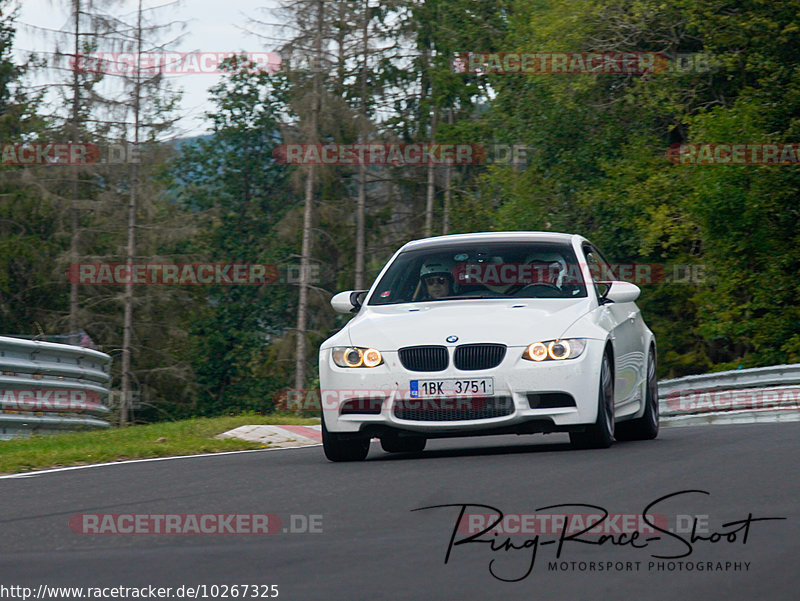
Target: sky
x=212, y=26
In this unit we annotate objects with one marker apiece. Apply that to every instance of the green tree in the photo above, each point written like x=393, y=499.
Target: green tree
x=230, y=183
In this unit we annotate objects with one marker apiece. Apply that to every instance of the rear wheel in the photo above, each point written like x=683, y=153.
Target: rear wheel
x=343, y=449
x=645, y=427
x=600, y=434
x=398, y=444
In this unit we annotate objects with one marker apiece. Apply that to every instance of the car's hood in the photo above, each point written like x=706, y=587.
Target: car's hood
x=513, y=322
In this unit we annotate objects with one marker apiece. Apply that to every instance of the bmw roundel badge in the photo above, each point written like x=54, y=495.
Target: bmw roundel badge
x=452, y=338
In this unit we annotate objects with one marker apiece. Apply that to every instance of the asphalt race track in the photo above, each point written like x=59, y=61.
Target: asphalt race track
x=373, y=546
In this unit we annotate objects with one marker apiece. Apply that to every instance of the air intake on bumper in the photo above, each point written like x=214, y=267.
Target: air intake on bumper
x=453, y=409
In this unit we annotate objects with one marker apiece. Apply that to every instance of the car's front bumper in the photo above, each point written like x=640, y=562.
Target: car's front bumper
x=515, y=378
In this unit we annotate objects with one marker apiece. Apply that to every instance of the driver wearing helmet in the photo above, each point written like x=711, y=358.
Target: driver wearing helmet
x=548, y=268
x=437, y=280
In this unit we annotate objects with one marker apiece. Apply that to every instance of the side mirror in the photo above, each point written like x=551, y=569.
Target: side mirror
x=620, y=292
x=347, y=302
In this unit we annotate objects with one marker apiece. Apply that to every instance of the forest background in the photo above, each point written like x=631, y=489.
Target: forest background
x=595, y=162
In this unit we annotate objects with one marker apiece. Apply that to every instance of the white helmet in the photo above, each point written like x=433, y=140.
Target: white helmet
x=436, y=267
x=551, y=258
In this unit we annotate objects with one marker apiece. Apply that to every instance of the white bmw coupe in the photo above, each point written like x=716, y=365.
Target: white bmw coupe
x=490, y=333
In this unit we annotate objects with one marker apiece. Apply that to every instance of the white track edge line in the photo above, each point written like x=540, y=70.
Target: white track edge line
x=147, y=459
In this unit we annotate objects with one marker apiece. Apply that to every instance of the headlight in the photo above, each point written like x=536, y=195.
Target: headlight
x=558, y=349
x=354, y=356
x=536, y=352
x=372, y=357
x=555, y=350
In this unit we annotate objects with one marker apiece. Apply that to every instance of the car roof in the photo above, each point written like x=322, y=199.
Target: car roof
x=492, y=237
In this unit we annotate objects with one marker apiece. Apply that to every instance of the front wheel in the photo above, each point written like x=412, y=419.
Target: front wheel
x=347, y=449
x=645, y=427
x=600, y=434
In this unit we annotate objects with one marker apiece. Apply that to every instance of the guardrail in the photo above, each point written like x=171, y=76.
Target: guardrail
x=741, y=395
x=47, y=387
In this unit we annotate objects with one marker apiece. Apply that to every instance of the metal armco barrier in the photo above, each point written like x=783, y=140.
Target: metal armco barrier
x=756, y=392
x=47, y=387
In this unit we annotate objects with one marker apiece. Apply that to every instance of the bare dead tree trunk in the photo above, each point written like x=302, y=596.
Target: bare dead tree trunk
x=302, y=304
x=431, y=189
x=74, y=224
x=446, y=209
x=362, y=168
x=305, y=259
x=360, y=225
x=341, y=50
x=127, y=325
x=448, y=176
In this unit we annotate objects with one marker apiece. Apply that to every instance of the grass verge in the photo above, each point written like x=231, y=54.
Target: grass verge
x=187, y=437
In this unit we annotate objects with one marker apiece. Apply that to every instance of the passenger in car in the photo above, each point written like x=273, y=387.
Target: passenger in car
x=437, y=280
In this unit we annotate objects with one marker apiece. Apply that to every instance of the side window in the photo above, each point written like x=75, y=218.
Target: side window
x=599, y=267
x=601, y=271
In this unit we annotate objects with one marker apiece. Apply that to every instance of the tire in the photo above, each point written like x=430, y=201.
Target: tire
x=349, y=449
x=645, y=427
x=600, y=434
x=397, y=444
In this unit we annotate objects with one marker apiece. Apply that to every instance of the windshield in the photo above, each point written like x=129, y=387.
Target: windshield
x=481, y=270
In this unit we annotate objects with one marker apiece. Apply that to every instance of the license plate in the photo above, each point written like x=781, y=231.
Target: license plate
x=425, y=389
